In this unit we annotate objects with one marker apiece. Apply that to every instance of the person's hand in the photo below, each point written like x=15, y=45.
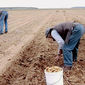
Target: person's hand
x=60, y=51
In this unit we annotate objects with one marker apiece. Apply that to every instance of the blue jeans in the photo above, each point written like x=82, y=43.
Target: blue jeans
x=3, y=19
x=70, y=50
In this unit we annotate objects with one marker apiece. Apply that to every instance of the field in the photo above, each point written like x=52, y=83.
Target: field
x=25, y=52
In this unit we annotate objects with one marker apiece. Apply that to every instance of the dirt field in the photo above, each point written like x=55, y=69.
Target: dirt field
x=25, y=52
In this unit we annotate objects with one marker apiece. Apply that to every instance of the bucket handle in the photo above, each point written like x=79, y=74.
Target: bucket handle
x=56, y=81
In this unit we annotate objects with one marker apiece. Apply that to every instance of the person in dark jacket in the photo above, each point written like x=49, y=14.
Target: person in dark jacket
x=3, y=19
x=67, y=35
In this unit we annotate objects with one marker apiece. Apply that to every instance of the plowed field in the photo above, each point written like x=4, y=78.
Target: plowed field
x=25, y=52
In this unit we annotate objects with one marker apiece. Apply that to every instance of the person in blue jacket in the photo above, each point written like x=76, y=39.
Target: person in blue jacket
x=3, y=20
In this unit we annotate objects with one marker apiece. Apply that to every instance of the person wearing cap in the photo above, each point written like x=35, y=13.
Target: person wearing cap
x=67, y=35
x=3, y=19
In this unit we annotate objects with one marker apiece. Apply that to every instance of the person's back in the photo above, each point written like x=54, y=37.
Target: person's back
x=64, y=29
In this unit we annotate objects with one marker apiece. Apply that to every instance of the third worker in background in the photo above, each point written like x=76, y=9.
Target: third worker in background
x=3, y=20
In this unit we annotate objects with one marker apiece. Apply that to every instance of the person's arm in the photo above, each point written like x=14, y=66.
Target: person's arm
x=59, y=40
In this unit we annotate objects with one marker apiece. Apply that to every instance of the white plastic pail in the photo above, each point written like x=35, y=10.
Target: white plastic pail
x=54, y=78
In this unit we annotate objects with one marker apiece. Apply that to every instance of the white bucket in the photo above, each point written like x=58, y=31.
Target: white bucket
x=54, y=78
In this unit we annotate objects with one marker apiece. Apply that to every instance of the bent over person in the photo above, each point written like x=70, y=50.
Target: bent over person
x=67, y=36
x=3, y=19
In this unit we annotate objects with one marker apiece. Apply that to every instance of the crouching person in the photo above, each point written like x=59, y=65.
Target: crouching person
x=67, y=35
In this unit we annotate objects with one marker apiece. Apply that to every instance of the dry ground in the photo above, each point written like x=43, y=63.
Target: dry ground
x=25, y=52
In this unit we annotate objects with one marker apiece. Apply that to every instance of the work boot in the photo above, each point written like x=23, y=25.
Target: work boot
x=66, y=68
x=1, y=33
x=6, y=32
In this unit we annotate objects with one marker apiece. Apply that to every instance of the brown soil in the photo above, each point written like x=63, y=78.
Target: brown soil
x=25, y=52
